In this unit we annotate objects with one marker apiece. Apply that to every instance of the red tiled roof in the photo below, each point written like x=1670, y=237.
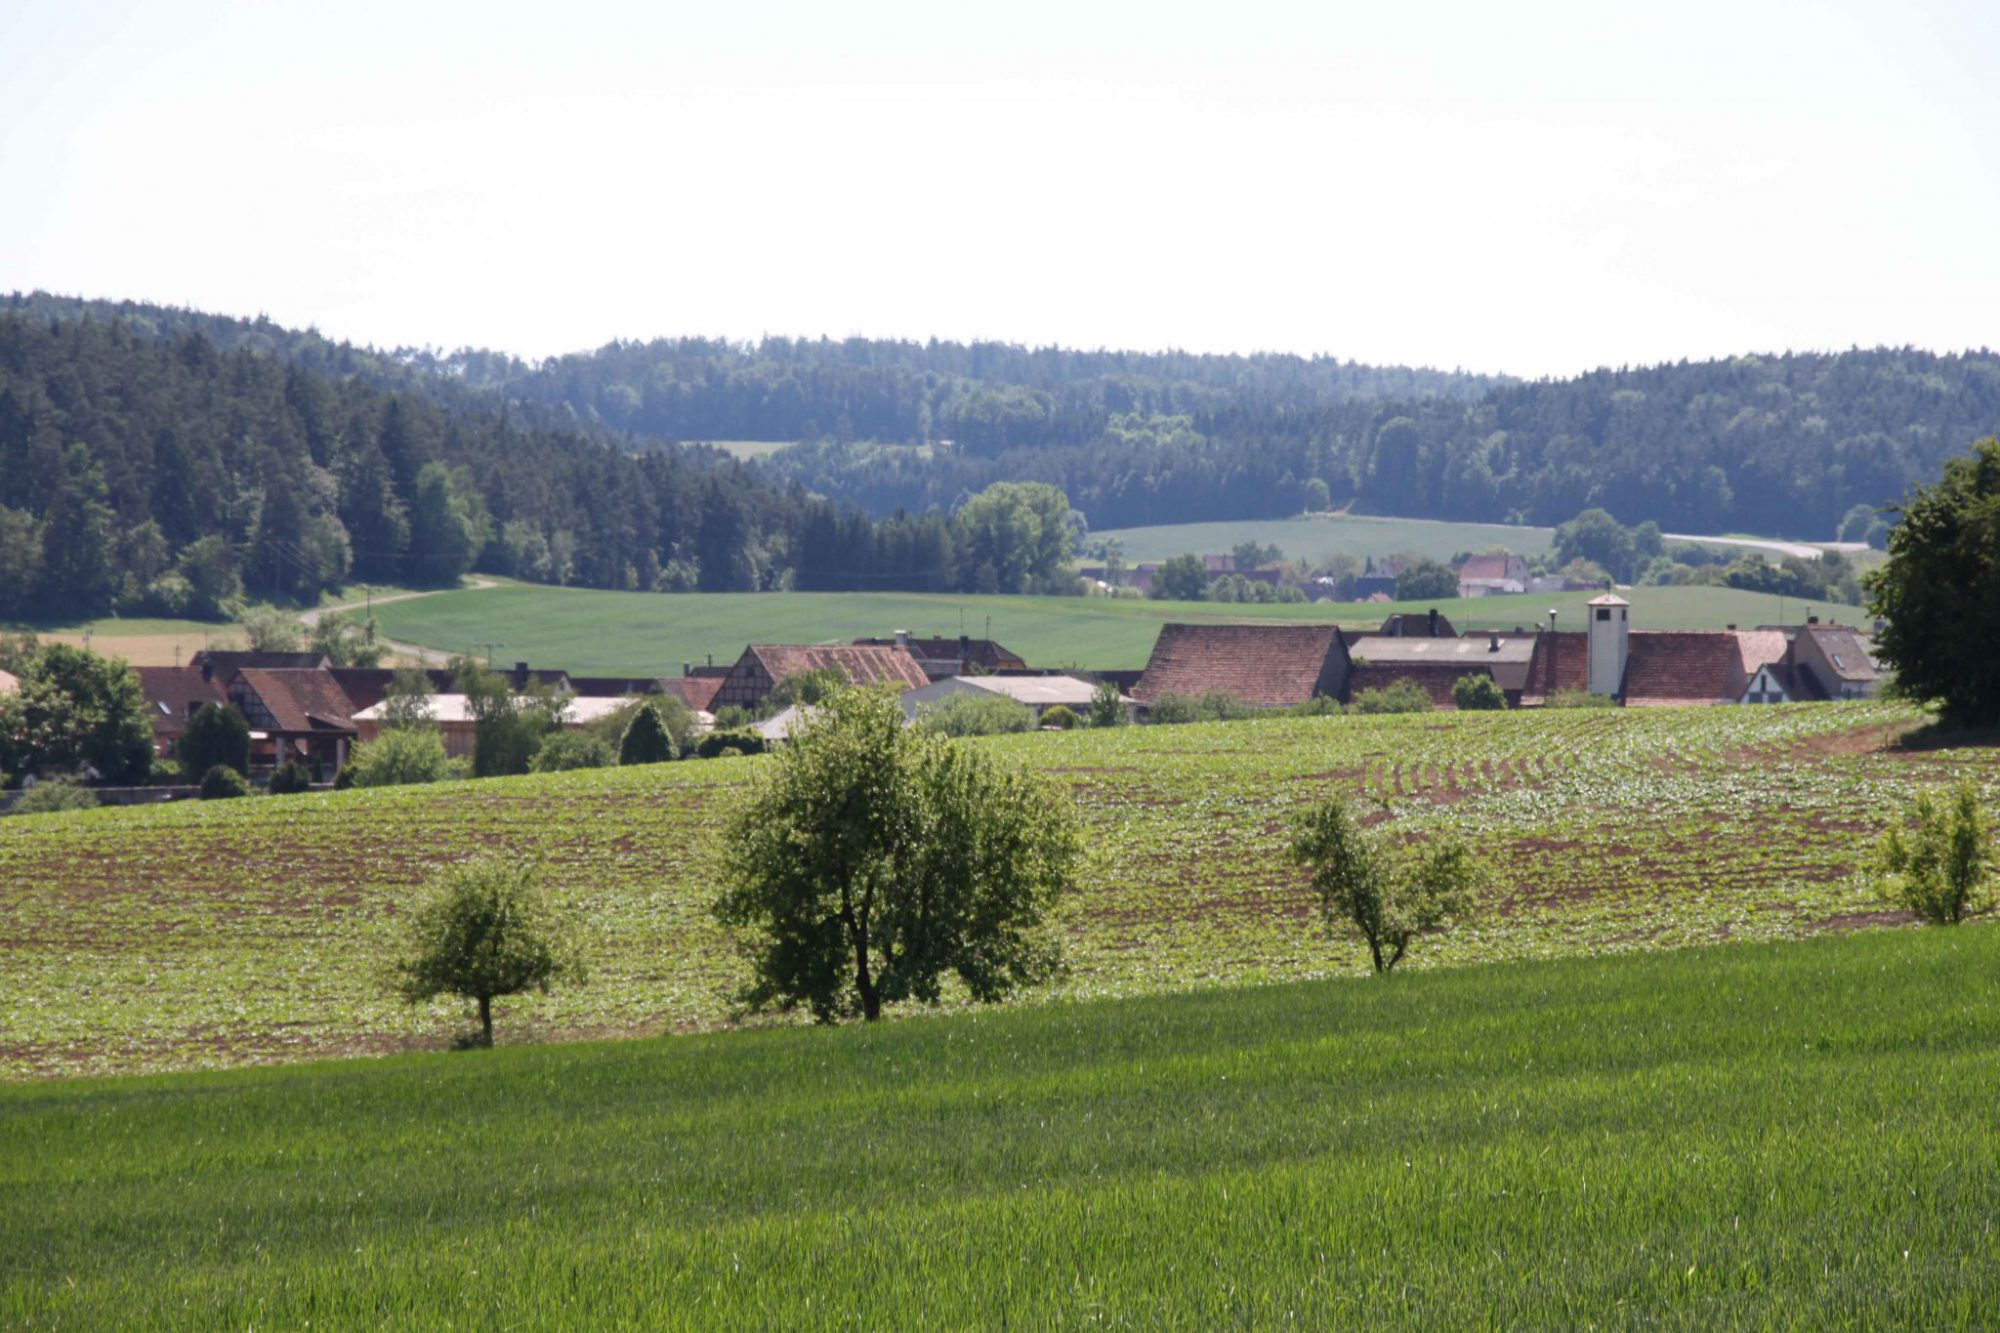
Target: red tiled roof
x=9, y=683
x=300, y=700
x=172, y=693
x=1844, y=651
x=1759, y=649
x=861, y=665
x=697, y=692
x=1683, y=667
x=1436, y=678
x=1494, y=567
x=1270, y=666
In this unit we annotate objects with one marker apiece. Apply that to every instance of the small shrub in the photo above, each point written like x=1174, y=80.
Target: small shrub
x=1579, y=699
x=568, y=750
x=223, y=783
x=1319, y=705
x=976, y=714
x=1400, y=696
x=1938, y=869
x=405, y=755
x=646, y=740
x=1478, y=694
x=722, y=744
x=53, y=795
x=291, y=778
x=1170, y=709
x=1107, y=705
x=1060, y=718
x=344, y=779
x=733, y=718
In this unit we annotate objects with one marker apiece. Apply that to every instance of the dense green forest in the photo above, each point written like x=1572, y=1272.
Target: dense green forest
x=310, y=462
x=1785, y=445
x=147, y=469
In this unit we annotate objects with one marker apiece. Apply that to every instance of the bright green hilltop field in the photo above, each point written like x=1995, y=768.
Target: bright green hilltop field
x=619, y=633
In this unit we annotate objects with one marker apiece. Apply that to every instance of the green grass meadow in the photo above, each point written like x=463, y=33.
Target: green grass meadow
x=1791, y=1135
x=585, y=630
x=1315, y=537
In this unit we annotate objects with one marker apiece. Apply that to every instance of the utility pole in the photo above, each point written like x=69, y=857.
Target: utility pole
x=489, y=647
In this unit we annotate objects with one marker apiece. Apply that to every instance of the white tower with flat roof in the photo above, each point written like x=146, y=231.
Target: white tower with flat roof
x=1608, y=627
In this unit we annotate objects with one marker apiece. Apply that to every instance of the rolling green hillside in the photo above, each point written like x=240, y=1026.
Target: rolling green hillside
x=230, y=932
x=584, y=630
x=1779, y=1136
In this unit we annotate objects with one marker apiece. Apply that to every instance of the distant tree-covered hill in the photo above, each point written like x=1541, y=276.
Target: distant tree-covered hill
x=576, y=454
x=1779, y=444
x=151, y=470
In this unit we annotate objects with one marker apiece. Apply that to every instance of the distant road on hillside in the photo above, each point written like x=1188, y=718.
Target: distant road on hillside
x=1800, y=549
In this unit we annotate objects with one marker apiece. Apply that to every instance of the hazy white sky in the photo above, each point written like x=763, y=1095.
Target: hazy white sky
x=1529, y=187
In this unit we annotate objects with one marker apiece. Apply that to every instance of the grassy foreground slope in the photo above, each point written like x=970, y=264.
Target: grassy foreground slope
x=235, y=931
x=1792, y=1135
x=621, y=633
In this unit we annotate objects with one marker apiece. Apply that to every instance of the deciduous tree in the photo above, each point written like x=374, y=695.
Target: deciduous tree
x=871, y=861
x=484, y=930
x=1385, y=894
x=1939, y=592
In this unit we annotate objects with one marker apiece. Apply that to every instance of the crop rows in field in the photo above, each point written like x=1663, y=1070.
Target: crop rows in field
x=247, y=931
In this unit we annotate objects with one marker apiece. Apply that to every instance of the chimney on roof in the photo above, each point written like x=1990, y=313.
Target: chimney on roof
x=687, y=668
x=965, y=645
x=1492, y=641
x=1812, y=620
x=903, y=639
x=1730, y=626
x=1434, y=622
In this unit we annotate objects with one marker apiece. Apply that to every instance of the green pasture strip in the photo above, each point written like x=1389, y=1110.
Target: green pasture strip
x=1773, y=1136
x=1316, y=537
x=620, y=633
x=231, y=932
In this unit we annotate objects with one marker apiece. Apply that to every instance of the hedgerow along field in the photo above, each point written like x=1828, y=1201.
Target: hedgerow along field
x=1785, y=1135
x=230, y=932
x=643, y=633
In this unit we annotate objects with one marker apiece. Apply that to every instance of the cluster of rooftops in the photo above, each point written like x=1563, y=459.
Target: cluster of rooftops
x=300, y=706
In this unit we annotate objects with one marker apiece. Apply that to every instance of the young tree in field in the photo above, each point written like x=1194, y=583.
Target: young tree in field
x=216, y=734
x=484, y=930
x=1939, y=868
x=646, y=740
x=873, y=859
x=1940, y=591
x=1107, y=705
x=1476, y=694
x=1384, y=894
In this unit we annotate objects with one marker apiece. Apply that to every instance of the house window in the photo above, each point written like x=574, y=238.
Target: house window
x=1604, y=613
